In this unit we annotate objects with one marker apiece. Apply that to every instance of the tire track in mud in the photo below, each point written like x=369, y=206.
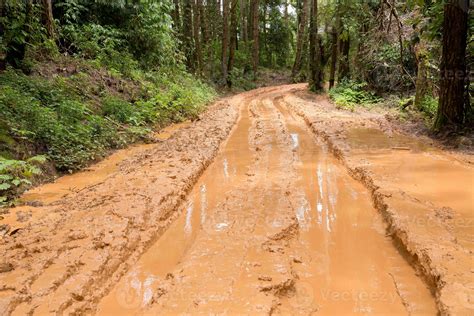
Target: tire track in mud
x=265, y=245
x=264, y=225
x=67, y=260
x=422, y=231
x=238, y=263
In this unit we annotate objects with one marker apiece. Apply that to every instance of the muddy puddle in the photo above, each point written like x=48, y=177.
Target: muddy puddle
x=373, y=140
x=422, y=172
x=275, y=224
x=36, y=200
x=135, y=290
x=354, y=268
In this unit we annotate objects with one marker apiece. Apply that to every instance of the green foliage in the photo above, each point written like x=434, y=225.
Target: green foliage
x=429, y=106
x=183, y=98
x=143, y=36
x=241, y=80
x=278, y=38
x=73, y=121
x=150, y=36
x=15, y=175
x=72, y=132
x=121, y=111
x=349, y=94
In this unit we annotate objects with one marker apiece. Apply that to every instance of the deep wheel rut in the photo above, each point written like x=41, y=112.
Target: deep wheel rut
x=274, y=225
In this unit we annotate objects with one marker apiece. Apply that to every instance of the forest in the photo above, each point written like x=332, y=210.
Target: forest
x=79, y=77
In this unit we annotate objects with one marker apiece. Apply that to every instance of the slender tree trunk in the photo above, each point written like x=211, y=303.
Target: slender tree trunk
x=266, y=52
x=421, y=54
x=249, y=38
x=452, y=106
x=334, y=48
x=204, y=22
x=188, y=44
x=344, y=47
x=255, y=36
x=315, y=80
x=205, y=36
x=300, y=39
x=233, y=38
x=48, y=18
x=394, y=13
x=197, y=37
x=2, y=53
x=332, y=69
x=176, y=17
x=244, y=20
x=225, y=40
x=250, y=20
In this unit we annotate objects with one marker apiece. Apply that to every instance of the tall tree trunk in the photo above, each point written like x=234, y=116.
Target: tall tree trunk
x=197, y=37
x=3, y=63
x=233, y=39
x=421, y=85
x=48, y=18
x=188, y=44
x=205, y=45
x=334, y=48
x=264, y=45
x=452, y=106
x=225, y=40
x=250, y=19
x=176, y=17
x=255, y=36
x=332, y=69
x=344, y=47
x=243, y=16
x=315, y=80
x=204, y=22
x=300, y=39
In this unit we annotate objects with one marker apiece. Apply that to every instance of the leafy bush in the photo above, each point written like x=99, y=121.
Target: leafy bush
x=429, y=106
x=15, y=175
x=348, y=94
x=240, y=80
x=41, y=113
x=120, y=110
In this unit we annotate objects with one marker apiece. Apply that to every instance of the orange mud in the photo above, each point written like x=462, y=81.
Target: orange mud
x=274, y=225
x=425, y=195
x=74, y=183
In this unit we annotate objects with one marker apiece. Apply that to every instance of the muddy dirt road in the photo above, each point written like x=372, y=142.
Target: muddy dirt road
x=246, y=211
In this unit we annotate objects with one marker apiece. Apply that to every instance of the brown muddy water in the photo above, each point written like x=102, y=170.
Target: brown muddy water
x=425, y=173
x=274, y=225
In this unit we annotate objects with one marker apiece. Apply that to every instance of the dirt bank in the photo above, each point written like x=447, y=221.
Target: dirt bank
x=425, y=195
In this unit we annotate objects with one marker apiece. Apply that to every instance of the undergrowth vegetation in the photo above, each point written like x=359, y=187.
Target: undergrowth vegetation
x=46, y=116
x=112, y=75
x=348, y=94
